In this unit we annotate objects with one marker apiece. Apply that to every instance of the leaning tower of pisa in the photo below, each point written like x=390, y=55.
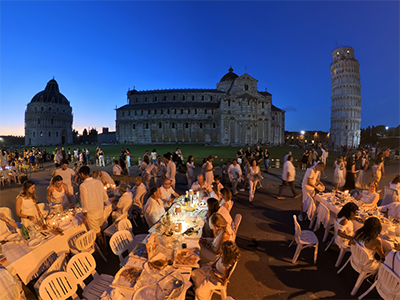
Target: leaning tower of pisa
x=346, y=98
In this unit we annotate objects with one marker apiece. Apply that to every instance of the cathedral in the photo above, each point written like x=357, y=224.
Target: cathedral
x=346, y=98
x=233, y=114
x=48, y=118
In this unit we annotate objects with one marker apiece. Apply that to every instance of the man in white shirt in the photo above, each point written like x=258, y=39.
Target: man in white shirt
x=154, y=208
x=158, y=171
x=311, y=182
x=139, y=192
x=324, y=155
x=57, y=159
x=123, y=203
x=93, y=196
x=104, y=177
x=201, y=185
x=288, y=176
x=235, y=175
x=171, y=169
x=116, y=168
x=67, y=175
x=167, y=191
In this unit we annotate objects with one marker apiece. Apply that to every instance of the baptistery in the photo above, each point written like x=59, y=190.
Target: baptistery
x=48, y=118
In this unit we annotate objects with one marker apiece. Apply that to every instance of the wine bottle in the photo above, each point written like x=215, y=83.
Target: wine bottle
x=24, y=232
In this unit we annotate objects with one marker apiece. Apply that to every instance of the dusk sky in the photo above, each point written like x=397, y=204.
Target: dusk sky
x=97, y=50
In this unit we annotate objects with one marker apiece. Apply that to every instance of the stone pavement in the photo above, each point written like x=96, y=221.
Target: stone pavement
x=264, y=270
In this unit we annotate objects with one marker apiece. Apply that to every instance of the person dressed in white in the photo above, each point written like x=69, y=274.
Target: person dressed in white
x=371, y=198
x=167, y=192
x=393, y=210
x=288, y=176
x=209, y=170
x=286, y=156
x=124, y=203
x=190, y=170
x=116, y=168
x=101, y=158
x=171, y=169
x=93, y=196
x=146, y=169
x=254, y=176
x=26, y=205
x=338, y=175
x=226, y=200
x=6, y=222
x=344, y=225
x=201, y=185
x=159, y=170
x=209, y=249
x=154, y=208
x=15, y=173
x=235, y=175
x=139, y=192
x=153, y=155
x=68, y=175
x=104, y=177
x=210, y=276
x=310, y=183
x=58, y=193
x=324, y=154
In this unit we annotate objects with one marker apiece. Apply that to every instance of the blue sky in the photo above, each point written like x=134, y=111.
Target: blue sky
x=97, y=50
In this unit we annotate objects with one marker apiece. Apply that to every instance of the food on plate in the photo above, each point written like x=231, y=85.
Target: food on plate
x=158, y=264
x=186, y=257
x=128, y=277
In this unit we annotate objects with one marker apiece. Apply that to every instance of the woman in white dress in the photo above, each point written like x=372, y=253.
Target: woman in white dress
x=226, y=199
x=254, y=176
x=371, y=198
x=209, y=170
x=361, y=181
x=26, y=204
x=209, y=276
x=190, y=170
x=344, y=225
x=209, y=249
x=146, y=169
x=235, y=175
x=58, y=192
x=378, y=170
x=338, y=175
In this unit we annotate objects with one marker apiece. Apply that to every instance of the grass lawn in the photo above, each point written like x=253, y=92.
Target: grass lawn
x=198, y=151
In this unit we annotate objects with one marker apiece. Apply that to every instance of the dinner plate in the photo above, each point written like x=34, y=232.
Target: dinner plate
x=35, y=242
x=12, y=236
x=149, y=292
x=65, y=225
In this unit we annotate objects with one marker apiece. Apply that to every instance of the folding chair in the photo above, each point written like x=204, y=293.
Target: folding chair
x=58, y=286
x=221, y=289
x=303, y=239
x=87, y=243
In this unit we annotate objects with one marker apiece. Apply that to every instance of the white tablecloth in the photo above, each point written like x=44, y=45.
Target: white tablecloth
x=30, y=262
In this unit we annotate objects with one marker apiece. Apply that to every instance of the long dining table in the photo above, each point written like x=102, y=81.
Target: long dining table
x=388, y=235
x=177, y=233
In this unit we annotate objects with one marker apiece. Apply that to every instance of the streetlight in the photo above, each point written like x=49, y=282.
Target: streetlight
x=302, y=132
x=387, y=127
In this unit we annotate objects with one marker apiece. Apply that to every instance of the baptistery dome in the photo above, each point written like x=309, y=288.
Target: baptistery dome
x=48, y=118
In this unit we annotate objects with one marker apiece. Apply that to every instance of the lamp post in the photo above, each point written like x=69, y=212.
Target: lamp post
x=302, y=135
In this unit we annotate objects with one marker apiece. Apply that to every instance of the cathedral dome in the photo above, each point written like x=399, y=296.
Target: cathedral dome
x=230, y=76
x=51, y=94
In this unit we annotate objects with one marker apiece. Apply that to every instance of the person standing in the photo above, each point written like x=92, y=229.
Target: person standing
x=288, y=177
x=57, y=159
x=286, y=156
x=101, y=158
x=235, y=175
x=338, y=175
x=93, y=196
x=350, y=174
x=159, y=170
x=324, y=155
x=171, y=169
x=378, y=169
x=67, y=175
x=190, y=170
x=153, y=156
x=266, y=160
x=128, y=158
x=209, y=170
x=117, y=170
x=254, y=175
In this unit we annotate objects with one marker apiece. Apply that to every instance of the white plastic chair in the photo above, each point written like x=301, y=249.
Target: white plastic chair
x=58, y=286
x=119, y=242
x=221, y=289
x=387, y=283
x=303, y=239
x=237, y=221
x=310, y=208
x=124, y=224
x=390, y=195
x=323, y=216
x=361, y=263
x=343, y=250
x=87, y=243
x=81, y=266
x=60, y=264
x=10, y=287
x=110, y=230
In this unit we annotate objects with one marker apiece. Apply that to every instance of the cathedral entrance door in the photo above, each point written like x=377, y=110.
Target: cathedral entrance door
x=63, y=137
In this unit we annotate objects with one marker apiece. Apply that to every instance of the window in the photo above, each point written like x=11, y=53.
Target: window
x=337, y=53
x=168, y=111
x=181, y=111
x=35, y=108
x=51, y=121
x=49, y=108
x=133, y=126
x=201, y=125
x=160, y=125
x=155, y=112
x=42, y=108
x=205, y=111
x=173, y=125
x=195, y=111
x=202, y=98
x=56, y=133
x=145, y=99
x=212, y=111
x=135, y=112
x=129, y=113
x=214, y=125
x=188, y=111
x=210, y=98
x=136, y=100
x=175, y=111
x=165, y=98
x=49, y=134
x=345, y=126
x=183, y=97
x=193, y=98
x=147, y=125
x=173, y=98
x=41, y=133
x=38, y=121
x=122, y=113
x=187, y=125
x=246, y=87
x=161, y=112
x=142, y=112
x=34, y=134
x=63, y=110
x=155, y=99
